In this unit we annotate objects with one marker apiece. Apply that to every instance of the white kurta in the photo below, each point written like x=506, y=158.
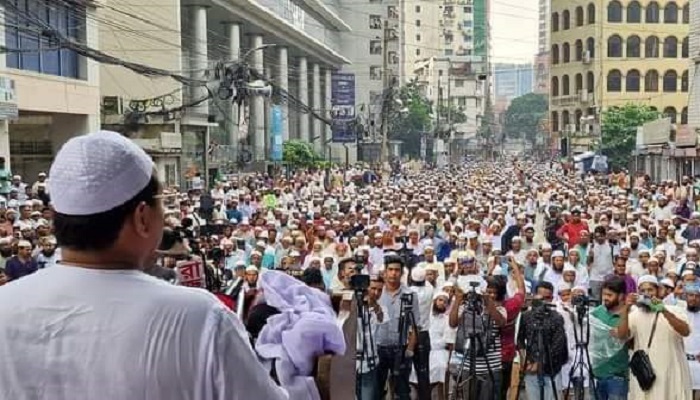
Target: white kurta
x=69, y=333
x=440, y=336
x=667, y=355
x=692, y=347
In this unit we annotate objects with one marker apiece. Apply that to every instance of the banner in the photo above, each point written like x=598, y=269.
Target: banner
x=276, y=133
x=343, y=107
x=191, y=273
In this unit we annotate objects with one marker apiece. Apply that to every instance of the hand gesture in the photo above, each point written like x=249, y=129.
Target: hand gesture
x=631, y=299
x=459, y=295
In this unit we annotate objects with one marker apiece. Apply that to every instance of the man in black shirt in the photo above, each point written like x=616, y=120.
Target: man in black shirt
x=543, y=345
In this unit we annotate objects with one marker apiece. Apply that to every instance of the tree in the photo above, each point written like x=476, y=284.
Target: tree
x=524, y=116
x=487, y=122
x=619, y=131
x=453, y=114
x=300, y=154
x=410, y=120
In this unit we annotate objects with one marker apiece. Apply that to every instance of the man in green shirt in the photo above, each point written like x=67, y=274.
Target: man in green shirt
x=609, y=355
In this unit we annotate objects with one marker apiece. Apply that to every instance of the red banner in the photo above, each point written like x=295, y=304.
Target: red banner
x=191, y=274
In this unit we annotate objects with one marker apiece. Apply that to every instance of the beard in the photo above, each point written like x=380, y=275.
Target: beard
x=693, y=309
x=439, y=309
x=634, y=246
x=48, y=253
x=612, y=306
x=6, y=253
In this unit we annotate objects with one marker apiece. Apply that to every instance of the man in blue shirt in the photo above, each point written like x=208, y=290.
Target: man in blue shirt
x=22, y=264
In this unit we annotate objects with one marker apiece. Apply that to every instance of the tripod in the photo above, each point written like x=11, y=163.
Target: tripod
x=582, y=359
x=407, y=322
x=543, y=357
x=367, y=352
x=472, y=344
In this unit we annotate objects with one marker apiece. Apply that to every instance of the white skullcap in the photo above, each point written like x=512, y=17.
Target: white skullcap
x=687, y=272
x=24, y=243
x=418, y=274
x=647, y=279
x=667, y=282
x=251, y=268
x=557, y=253
x=440, y=294
x=97, y=172
x=569, y=268
x=563, y=286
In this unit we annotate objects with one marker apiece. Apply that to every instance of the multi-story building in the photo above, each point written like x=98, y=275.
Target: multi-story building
x=48, y=94
x=608, y=53
x=542, y=57
x=694, y=101
x=512, y=80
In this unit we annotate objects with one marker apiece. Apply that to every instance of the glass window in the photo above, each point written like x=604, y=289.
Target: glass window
x=684, y=47
x=565, y=19
x=614, y=81
x=615, y=46
x=555, y=54
x=652, y=12
x=633, y=44
x=670, y=112
x=590, y=82
x=670, y=47
x=566, y=53
x=555, y=22
x=590, y=47
x=565, y=85
x=686, y=14
x=670, y=81
x=671, y=13
x=651, y=81
x=632, y=81
x=634, y=12
x=555, y=86
x=579, y=16
x=614, y=11
x=578, y=86
x=651, y=47
x=684, y=81
x=684, y=116
x=591, y=13
x=579, y=50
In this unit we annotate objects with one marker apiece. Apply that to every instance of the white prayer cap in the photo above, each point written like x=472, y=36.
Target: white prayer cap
x=97, y=172
x=418, y=274
x=557, y=253
x=24, y=243
x=569, y=268
x=687, y=272
x=439, y=294
x=251, y=268
x=668, y=283
x=563, y=286
x=647, y=279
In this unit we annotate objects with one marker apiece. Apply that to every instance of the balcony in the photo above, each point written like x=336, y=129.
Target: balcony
x=565, y=101
x=166, y=142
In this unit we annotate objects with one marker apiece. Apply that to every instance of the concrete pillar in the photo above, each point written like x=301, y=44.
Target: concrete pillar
x=318, y=107
x=304, y=129
x=283, y=83
x=199, y=60
x=233, y=33
x=327, y=134
x=257, y=109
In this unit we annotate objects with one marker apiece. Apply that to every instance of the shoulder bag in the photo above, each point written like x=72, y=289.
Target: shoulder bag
x=640, y=364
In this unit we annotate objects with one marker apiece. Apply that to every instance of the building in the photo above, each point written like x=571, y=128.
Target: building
x=49, y=95
x=606, y=54
x=694, y=101
x=294, y=44
x=512, y=80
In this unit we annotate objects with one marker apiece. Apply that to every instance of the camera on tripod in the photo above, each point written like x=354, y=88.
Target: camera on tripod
x=359, y=283
x=473, y=300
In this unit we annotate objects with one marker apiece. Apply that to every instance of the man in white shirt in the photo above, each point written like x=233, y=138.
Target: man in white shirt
x=96, y=326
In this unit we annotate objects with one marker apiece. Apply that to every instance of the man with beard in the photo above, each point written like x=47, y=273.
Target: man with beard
x=554, y=275
x=611, y=370
x=692, y=342
x=643, y=314
x=49, y=256
x=600, y=260
x=5, y=250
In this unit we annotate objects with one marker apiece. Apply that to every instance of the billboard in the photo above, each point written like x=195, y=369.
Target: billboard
x=343, y=107
x=276, y=133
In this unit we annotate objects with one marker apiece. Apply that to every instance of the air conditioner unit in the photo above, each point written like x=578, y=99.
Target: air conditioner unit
x=112, y=105
x=587, y=57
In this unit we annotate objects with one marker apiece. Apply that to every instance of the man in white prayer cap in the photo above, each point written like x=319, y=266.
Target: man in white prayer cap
x=96, y=326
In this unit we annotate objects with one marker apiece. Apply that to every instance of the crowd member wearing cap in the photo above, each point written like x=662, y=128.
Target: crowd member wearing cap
x=367, y=359
x=570, y=232
x=600, y=260
x=109, y=220
x=692, y=342
x=22, y=264
x=667, y=352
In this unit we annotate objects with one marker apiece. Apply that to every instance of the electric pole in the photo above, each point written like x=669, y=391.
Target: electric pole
x=387, y=95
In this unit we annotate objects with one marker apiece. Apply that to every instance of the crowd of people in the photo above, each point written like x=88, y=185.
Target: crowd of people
x=523, y=279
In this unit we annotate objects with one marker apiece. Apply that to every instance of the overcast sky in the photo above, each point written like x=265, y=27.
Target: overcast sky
x=514, y=30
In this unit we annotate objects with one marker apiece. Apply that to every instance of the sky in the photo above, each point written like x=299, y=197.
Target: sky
x=514, y=30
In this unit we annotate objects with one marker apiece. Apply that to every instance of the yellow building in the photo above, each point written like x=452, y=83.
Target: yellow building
x=608, y=53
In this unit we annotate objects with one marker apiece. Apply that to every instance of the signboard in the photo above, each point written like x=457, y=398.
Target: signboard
x=655, y=132
x=191, y=274
x=276, y=133
x=8, y=99
x=343, y=107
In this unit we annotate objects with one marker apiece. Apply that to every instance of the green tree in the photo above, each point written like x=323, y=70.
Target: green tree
x=410, y=119
x=453, y=114
x=619, y=131
x=300, y=154
x=524, y=116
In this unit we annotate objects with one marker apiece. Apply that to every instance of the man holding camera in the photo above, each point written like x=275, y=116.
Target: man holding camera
x=645, y=314
x=367, y=360
x=543, y=340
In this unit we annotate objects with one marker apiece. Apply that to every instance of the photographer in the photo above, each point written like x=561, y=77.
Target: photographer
x=367, y=351
x=642, y=315
x=389, y=349
x=478, y=318
x=543, y=341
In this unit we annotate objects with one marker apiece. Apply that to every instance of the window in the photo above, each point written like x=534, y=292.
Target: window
x=467, y=10
x=566, y=53
x=417, y=52
x=417, y=9
x=590, y=82
x=579, y=50
x=615, y=46
x=565, y=118
x=670, y=81
x=579, y=16
x=375, y=47
x=633, y=45
x=684, y=47
x=614, y=81
x=68, y=20
x=652, y=13
x=634, y=12
x=375, y=22
x=651, y=81
x=555, y=22
x=684, y=81
x=565, y=85
x=459, y=82
x=565, y=20
x=590, y=47
x=449, y=52
x=375, y=73
x=555, y=86
x=591, y=13
x=651, y=47
x=614, y=11
x=418, y=22
x=578, y=83
x=684, y=116
x=578, y=114
x=439, y=72
x=418, y=37
x=686, y=14
x=670, y=112
x=632, y=81
x=555, y=54
x=671, y=13
x=670, y=47
x=555, y=121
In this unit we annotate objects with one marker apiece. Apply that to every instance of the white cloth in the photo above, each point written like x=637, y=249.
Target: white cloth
x=425, y=304
x=692, y=347
x=441, y=335
x=83, y=334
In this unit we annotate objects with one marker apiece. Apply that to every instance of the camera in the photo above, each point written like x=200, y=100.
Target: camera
x=644, y=301
x=580, y=301
x=359, y=283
